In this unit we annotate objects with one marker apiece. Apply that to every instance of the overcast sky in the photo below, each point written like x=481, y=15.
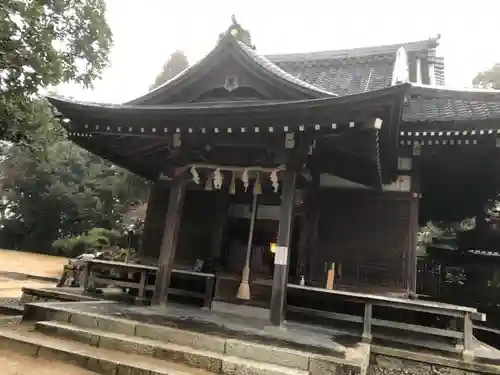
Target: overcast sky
x=147, y=31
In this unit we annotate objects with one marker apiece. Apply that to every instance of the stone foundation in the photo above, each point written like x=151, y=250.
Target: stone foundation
x=413, y=363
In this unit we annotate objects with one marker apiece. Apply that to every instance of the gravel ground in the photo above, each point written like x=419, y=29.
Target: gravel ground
x=16, y=364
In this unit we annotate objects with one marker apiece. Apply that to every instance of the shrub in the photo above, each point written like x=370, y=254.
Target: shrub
x=95, y=240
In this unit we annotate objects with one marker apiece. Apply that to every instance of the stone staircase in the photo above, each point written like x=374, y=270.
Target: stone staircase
x=111, y=345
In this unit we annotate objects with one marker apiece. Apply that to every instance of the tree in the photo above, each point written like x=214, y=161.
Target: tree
x=176, y=63
x=42, y=44
x=55, y=189
x=489, y=79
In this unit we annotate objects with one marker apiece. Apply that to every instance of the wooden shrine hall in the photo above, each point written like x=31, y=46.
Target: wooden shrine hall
x=307, y=168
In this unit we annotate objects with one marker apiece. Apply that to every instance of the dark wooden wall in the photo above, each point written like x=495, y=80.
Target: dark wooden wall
x=155, y=222
x=367, y=234
x=197, y=225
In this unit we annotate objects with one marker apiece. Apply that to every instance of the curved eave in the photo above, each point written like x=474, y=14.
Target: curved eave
x=80, y=112
x=128, y=162
x=260, y=64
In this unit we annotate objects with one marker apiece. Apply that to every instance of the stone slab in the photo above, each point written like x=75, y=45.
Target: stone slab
x=238, y=366
x=95, y=359
x=185, y=346
x=181, y=337
x=269, y=354
x=385, y=360
x=201, y=359
x=293, y=335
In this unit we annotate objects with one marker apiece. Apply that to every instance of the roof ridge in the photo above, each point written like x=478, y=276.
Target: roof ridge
x=356, y=52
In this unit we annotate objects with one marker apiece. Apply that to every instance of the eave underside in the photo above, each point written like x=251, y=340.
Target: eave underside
x=142, y=139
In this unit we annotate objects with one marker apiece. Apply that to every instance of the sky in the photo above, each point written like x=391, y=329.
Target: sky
x=147, y=31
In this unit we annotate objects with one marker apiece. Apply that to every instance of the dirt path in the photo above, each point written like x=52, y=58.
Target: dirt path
x=13, y=288
x=16, y=364
x=18, y=262
x=31, y=263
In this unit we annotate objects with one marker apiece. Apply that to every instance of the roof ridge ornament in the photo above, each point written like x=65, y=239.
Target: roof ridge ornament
x=401, y=72
x=239, y=33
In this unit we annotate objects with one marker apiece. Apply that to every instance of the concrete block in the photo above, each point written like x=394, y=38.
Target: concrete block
x=123, y=369
x=83, y=320
x=102, y=366
x=181, y=337
x=326, y=365
x=237, y=366
x=121, y=326
x=70, y=357
x=269, y=354
x=72, y=333
x=126, y=346
x=191, y=357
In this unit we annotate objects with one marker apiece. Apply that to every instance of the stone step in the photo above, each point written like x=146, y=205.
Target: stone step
x=238, y=357
x=100, y=360
x=315, y=356
x=199, y=334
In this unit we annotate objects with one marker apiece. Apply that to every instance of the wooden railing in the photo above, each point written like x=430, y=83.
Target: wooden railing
x=463, y=335
x=94, y=276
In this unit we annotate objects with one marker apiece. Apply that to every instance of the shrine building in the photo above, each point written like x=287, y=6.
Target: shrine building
x=303, y=168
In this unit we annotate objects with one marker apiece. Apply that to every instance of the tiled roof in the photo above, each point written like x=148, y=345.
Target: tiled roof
x=354, y=71
x=344, y=77
x=276, y=70
x=437, y=104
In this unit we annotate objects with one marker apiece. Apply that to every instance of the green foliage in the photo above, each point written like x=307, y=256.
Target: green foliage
x=96, y=239
x=176, y=63
x=489, y=79
x=44, y=43
x=54, y=189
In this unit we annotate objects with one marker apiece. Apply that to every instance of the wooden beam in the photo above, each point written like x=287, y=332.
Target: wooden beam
x=282, y=261
x=169, y=241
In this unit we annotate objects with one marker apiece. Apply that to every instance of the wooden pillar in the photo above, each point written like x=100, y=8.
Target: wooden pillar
x=282, y=261
x=309, y=230
x=414, y=224
x=154, y=222
x=222, y=205
x=169, y=240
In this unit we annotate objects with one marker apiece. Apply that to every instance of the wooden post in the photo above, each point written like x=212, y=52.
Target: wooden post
x=86, y=276
x=169, y=241
x=280, y=278
x=313, y=225
x=468, y=353
x=414, y=225
x=219, y=224
x=142, y=286
x=367, y=324
x=309, y=224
